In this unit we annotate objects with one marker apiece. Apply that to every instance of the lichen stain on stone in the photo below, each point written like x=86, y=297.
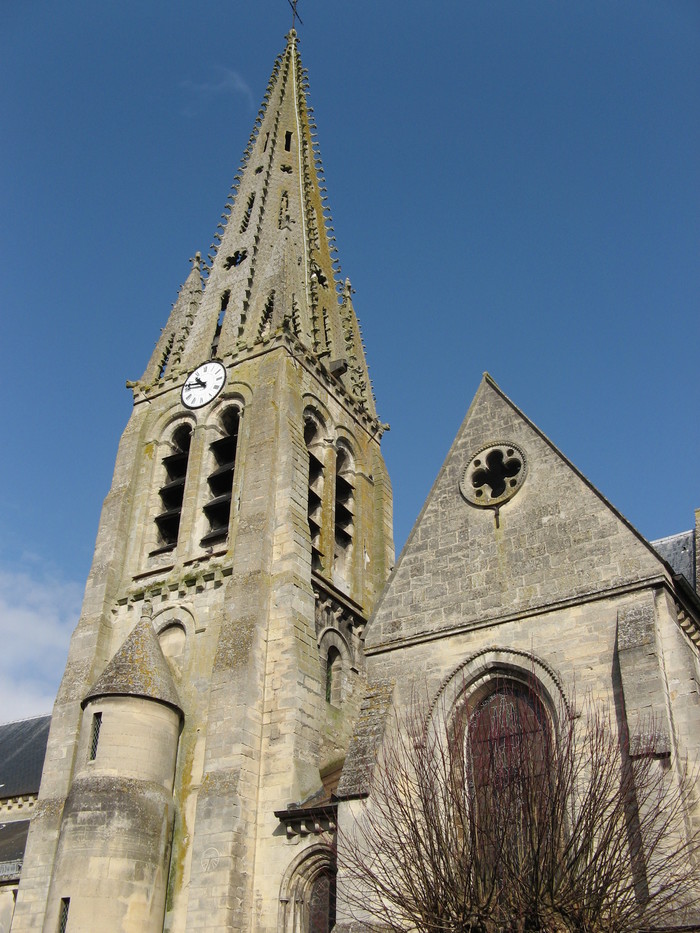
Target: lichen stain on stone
x=49, y=809
x=149, y=450
x=182, y=829
x=235, y=644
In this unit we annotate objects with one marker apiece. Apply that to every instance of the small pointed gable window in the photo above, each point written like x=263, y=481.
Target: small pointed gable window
x=225, y=296
x=173, y=489
x=218, y=509
x=284, y=220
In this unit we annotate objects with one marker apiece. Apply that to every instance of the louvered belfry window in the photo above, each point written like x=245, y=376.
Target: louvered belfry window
x=315, y=493
x=220, y=481
x=173, y=490
x=344, y=512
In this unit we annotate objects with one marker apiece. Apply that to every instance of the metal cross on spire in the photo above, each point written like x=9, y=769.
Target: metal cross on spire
x=295, y=15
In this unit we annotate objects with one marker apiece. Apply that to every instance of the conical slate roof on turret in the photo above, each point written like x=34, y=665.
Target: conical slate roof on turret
x=138, y=669
x=274, y=264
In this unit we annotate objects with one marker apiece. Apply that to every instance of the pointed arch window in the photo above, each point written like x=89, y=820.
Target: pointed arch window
x=508, y=734
x=173, y=489
x=321, y=905
x=509, y=755
x=312, y=437
x=344, y=513
x=334, y=676
x=308, y=894
x=220, y=481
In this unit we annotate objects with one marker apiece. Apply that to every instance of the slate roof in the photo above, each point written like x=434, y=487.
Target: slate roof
x=22, y=753
x=369, y=731
x=13, y=839
x=679, y=551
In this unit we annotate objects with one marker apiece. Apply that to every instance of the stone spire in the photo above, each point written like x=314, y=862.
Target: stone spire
x=169, y=349
x=273, y=264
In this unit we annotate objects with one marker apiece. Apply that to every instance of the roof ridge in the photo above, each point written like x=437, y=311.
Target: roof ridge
x=14, y=722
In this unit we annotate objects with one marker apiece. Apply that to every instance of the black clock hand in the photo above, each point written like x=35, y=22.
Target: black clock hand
x=195, y=384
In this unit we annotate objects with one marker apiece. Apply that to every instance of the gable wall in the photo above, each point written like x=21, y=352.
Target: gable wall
x=556, y=540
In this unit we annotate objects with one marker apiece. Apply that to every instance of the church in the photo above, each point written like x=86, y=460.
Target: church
x=245, y=636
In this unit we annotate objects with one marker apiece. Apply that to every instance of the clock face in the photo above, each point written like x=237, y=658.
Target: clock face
x=203, y=384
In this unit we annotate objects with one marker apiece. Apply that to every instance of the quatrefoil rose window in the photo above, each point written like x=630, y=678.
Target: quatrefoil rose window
x=494, y=475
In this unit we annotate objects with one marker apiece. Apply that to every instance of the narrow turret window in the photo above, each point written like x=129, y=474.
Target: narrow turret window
x=287, y=141
x=218, y=509
x=95, y=735
x=173, y=490
x=63, y=915
x=344, y=513
x=315, y=496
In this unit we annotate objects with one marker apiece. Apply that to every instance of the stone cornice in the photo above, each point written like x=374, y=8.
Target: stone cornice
x=656, y=582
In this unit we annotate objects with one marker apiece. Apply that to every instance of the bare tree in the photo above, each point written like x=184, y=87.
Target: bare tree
x=490, y=818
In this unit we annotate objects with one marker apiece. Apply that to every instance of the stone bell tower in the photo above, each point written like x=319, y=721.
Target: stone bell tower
x=216, y=668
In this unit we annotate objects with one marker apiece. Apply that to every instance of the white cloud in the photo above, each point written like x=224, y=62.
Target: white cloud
x=38, y=613
x=226, y=81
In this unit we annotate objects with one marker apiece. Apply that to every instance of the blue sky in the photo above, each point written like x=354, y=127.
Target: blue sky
x=515, y=188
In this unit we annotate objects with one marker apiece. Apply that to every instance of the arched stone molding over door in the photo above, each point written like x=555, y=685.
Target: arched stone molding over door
x=475, y=675
x=307, y=894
